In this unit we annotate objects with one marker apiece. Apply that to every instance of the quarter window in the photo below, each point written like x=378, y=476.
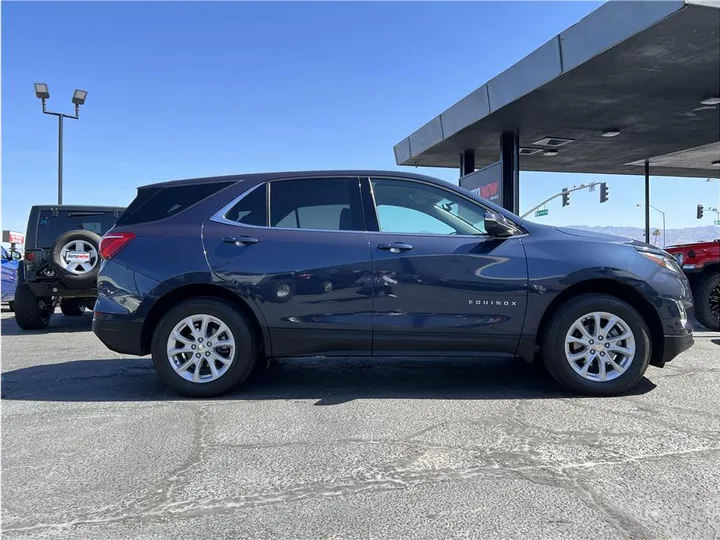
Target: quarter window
x=331, y=204
x=405, y=206
x=251, y=209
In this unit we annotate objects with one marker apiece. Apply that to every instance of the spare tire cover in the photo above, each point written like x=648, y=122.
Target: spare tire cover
x=76, y=257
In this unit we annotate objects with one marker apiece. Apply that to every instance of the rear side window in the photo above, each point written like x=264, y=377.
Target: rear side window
x=51, y=226
x=153, y=204
x=331, y=204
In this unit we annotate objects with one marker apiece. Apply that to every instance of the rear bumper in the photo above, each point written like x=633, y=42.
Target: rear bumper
x=675, y=345
x=55, y=288
x=121, y=336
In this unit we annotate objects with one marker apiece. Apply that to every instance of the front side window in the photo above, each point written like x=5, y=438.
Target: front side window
x=331, y=204
x=405, y=206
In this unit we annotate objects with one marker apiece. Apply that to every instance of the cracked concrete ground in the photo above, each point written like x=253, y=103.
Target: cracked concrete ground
x=94, y=447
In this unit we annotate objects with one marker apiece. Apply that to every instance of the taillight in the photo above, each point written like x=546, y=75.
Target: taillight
x=30, y=256
x=112, y=243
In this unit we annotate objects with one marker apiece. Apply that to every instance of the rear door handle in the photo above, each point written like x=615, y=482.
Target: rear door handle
x=240, y=240
x=395, y=247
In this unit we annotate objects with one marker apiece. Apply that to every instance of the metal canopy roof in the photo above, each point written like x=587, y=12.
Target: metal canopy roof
x=642, y=68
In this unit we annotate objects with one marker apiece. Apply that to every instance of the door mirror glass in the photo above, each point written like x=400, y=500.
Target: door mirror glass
x=498, y=225
x=16, y=255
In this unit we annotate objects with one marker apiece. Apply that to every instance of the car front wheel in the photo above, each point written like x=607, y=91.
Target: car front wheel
x=597, y=345
x=203, y=348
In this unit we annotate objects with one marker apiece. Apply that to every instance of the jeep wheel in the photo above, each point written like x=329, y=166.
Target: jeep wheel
x=597, y=345
x=203, y=348
x=75, y=257
x=72, y=307
x=31, y=312
x=706, y=295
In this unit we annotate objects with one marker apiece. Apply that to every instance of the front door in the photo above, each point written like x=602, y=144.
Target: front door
x=298, y=249
x=441, y=283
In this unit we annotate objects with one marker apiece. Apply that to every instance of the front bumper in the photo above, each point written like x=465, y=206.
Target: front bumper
x=122, y=336
x=674, y=345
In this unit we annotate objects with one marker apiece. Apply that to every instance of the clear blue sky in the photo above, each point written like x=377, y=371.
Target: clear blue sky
x=192, y=89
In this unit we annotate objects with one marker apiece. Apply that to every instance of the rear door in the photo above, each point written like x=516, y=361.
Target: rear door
x=298, y=249
x=442, y=283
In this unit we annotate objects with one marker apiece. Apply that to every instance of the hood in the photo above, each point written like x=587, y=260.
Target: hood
x=608, y=238
x=597, y=236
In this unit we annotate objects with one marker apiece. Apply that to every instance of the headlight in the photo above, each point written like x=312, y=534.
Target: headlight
x=666, y=262
x=679, y=258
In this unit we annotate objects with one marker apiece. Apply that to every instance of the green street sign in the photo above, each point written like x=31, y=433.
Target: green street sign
x=540, y=213
x=717, y=222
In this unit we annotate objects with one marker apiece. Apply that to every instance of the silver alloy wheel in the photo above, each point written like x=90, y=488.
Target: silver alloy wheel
x=78, y=257
x=201, y=348
x=600, y=346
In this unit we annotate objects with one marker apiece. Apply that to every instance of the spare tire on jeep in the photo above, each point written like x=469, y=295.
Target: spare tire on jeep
x=76, y=258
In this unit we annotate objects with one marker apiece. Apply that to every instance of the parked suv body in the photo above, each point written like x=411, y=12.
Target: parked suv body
x=208, y=275
x=61, y=261
x=701, y=263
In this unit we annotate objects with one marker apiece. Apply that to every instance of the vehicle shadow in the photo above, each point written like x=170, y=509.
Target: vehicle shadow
x=58, y=323
x=328, y=381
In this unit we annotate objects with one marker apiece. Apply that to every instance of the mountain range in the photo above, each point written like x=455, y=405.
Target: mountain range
x=674, y=236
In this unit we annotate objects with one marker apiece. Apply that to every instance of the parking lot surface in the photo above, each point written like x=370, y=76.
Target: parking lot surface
x=94, y=447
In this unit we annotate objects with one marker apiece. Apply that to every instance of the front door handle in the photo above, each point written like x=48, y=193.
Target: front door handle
x=240, y=240
x=395, y=247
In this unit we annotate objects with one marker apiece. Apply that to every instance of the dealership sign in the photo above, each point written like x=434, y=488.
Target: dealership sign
x=13, y=237
x=486, y=183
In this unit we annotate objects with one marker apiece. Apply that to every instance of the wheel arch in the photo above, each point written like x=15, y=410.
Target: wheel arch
x=195, y=290
x=619, y=290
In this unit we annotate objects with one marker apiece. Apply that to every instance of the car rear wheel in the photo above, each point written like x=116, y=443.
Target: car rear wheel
x=31, y=312
x=706, y=295
x=72, y=307
x=203, y=348
x=597, y=345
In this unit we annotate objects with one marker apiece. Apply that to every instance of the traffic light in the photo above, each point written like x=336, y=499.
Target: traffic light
x=700, y=211
x=565, y=197
x=604, y=192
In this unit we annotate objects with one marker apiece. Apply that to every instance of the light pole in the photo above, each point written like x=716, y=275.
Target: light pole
x=663, y=215
x=79, y=96
x=717, y=213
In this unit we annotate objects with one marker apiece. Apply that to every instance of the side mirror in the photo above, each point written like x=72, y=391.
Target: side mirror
x=16, y=255
x=498, y=225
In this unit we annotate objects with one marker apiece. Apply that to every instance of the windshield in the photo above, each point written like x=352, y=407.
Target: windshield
x=50, y=226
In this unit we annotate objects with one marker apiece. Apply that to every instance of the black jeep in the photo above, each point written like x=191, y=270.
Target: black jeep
x=61, y=261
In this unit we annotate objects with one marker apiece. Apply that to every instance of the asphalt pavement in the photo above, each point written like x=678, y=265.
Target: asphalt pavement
x=94, y=447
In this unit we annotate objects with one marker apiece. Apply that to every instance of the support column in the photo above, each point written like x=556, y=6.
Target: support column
x=510, y=156
x=467, y=162
x=647, y=201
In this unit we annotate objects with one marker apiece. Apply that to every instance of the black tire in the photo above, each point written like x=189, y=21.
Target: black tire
x=72, y=307
x=86, y=279
x=553, y=346
x=243, y=361
x=706, y=296
x=31, y=312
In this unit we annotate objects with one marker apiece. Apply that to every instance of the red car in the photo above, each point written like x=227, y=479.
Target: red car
x=701, y=263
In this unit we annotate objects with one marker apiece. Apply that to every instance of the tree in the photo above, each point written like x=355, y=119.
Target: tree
x=655, y=234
